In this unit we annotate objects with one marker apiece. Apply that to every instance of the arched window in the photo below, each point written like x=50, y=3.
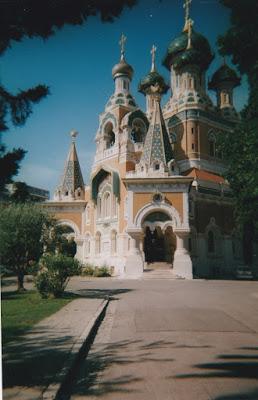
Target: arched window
x=109, y=135
x=87, y=245
x=106, y=205
x=114, y=211
x=138, y=131
x=99, y=208
x=98, y=243
x=211, y=242
x=113, y=242
x=87, y=215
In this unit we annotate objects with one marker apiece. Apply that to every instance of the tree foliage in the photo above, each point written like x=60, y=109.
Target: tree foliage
x=54, y=274
x=30, y=18
x=22, y=231
x=240, y=147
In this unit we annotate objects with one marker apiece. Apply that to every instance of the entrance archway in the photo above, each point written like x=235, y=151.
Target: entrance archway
x=159, y=239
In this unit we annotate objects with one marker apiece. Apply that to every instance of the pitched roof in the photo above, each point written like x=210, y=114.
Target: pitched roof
x=204, y=175
x=157, y=144
x=72, y=177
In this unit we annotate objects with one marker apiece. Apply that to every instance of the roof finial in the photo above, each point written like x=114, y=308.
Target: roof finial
x=153, y=55
x=73, y=134
x=122, y=45
x=186, y=6
x=189, y=32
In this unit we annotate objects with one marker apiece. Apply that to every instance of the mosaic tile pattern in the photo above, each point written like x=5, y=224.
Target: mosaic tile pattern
x=157, y=146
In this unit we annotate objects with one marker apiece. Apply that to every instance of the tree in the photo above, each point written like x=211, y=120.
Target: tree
x=60, y=240
x=22, y=231
x=41, y=18
x=240, y=148
x=20, y=193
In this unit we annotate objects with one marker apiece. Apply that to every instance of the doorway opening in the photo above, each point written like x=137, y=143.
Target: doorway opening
x=159, y=239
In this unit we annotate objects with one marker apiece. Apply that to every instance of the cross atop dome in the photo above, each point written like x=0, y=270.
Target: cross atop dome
x=122, y=45
x=73, y=135
x=153, y=56
x=188, y=20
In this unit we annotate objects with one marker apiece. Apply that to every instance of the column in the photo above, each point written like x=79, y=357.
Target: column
x=134, y=262
x=182, y=265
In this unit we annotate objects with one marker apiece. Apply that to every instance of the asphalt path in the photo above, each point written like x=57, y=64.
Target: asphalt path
x=172, y=340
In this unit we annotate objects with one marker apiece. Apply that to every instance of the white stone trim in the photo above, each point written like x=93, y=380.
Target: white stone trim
x=152, y=207
x=69, y=223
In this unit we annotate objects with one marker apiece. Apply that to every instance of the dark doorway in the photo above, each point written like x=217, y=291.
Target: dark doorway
x=154, y=245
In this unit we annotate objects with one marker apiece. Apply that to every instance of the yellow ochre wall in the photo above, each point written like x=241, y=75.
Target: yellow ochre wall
x=74, y=217
x=140, y=199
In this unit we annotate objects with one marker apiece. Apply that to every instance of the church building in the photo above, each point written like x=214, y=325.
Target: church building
x=156, y=191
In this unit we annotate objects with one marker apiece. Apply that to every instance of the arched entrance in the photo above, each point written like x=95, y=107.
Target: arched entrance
x=159, y=239
x=65, y=238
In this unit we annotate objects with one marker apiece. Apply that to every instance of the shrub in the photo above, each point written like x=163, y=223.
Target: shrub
x=88, y=270
x=101, y=272
x=54, y=274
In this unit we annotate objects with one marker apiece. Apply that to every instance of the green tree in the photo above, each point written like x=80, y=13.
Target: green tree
x=240, y=148
x=59, y=241
x=20, y=193
x=41, y=18
x=23, y=228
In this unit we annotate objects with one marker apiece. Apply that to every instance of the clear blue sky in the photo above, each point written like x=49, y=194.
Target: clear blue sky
x=76, y=64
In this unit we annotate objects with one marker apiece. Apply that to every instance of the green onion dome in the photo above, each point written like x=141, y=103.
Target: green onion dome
x=224, y=74
x=151, y=79
x=179, y=56
x=122, y=68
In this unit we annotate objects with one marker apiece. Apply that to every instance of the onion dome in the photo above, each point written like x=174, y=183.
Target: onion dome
x=153, y=78
x=122, y=68
x=223, y=75
x=180, y=54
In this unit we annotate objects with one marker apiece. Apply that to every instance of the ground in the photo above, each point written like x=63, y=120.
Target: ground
x=161, y=338
x=172, y=340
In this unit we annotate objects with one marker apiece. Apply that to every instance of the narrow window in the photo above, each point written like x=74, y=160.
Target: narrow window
x=192, y=146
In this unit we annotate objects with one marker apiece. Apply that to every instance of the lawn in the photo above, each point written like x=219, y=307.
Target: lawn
x=20, y=311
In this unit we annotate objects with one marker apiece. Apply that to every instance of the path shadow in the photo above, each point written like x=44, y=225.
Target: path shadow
x=34, y=360
x=232, y=366
x=101, y=293
x=91, y=380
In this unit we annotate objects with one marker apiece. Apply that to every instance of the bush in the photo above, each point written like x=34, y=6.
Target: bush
x=88, y=270
x=101, y=272
x=54, y=274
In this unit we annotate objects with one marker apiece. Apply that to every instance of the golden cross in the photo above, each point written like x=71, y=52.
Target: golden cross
x=153, y=54
x=122, y=45
x=186, y=5
x=190, y=25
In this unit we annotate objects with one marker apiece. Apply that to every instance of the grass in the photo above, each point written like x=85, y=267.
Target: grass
x=20, y=311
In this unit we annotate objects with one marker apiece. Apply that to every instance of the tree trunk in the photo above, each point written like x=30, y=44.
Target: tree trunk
x=20, y=280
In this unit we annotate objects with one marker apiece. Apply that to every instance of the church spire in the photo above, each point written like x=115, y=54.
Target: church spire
x=72, y=185
x=157, y=152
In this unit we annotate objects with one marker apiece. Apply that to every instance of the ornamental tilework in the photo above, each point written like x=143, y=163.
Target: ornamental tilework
x=72, y=178
x=157, y=145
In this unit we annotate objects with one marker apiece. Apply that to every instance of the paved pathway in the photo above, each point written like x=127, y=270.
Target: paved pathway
x=173, y=340
x=35, y=361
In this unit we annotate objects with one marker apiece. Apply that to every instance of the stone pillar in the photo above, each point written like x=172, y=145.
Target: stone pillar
x=79, y=248
x=134, y=262
x=182, y=265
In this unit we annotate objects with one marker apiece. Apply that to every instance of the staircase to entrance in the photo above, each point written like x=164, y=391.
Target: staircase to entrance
x=158, y=270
